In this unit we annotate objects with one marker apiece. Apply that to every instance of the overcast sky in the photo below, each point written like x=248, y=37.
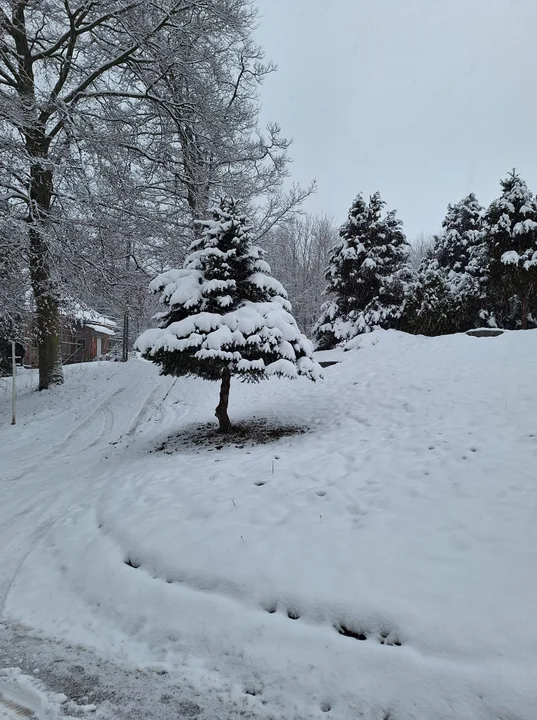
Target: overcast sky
x=424, y=100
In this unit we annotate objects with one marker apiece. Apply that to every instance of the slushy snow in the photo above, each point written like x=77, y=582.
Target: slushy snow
x=379, y=565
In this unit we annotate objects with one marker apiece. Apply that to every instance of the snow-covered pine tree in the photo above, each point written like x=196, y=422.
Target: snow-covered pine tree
x=368, y=276
x=430, y=308
x=342, y=278
x=459, y=246
x=452, y=276
x=225, y=314
x=511, y=237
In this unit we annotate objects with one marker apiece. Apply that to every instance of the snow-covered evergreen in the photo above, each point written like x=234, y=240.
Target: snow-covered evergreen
x=452, y=277
x=511, y=236
x=368, y=276
x=431, y=309
x=459, y=248
x=225, y=313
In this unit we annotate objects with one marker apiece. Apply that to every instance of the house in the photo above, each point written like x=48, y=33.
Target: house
x=86, y=335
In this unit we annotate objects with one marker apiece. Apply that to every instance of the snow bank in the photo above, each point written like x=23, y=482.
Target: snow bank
x=23, y=696
x=382, y=565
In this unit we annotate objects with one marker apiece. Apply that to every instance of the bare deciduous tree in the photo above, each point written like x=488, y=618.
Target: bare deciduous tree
x=298, y=253
x=118, y=121
x=56, y=60
x=419, y=249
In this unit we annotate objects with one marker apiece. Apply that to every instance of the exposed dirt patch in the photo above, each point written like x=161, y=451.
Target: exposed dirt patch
x=247, y=433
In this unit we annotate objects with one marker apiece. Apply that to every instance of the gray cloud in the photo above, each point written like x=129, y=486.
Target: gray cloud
x=424, y=100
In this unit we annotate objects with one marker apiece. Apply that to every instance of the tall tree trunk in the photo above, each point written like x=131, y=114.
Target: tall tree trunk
x=221, y=408
x=524, y=311
x=196, y=172
x=40, y=197
x=43, y=285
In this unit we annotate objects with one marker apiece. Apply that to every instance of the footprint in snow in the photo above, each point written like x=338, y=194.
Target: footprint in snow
x=348, y=632
x=356, y=511
x=386, y=638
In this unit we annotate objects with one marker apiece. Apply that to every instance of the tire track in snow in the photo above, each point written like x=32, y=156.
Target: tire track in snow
x=43, y=507
x=107, y=427
x=143, y=411
x=78, y=430
x=14, y=709
x=15, y=518
x=48, y=496
x=16, y=543
x=24, y=696
x=73, y=435
x=19, y=547
x=20, y=543
x=80, y=426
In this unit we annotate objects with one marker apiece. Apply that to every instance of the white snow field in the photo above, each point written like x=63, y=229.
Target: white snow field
x=199, y=582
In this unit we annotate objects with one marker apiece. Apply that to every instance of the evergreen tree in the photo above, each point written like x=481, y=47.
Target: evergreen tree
x=430, y=310
x=452, y=276
x=458, y=248
x=368, y=276
x=225, y=314
x=511, y=236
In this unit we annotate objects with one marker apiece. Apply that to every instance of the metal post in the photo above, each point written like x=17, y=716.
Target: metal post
x=125, y=349
x=14, y=387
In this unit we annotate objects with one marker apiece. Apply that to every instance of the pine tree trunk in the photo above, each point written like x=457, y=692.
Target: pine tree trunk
x=221, y=409
x=524, y=311
x=43, y=285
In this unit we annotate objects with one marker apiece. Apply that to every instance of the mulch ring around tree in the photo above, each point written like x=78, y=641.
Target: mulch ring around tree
x=246, y=433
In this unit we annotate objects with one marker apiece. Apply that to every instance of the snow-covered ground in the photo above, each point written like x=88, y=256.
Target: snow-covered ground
x=380, y=565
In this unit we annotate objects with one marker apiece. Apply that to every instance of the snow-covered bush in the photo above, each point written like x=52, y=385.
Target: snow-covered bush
x=368, y=276
x=225, y=314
